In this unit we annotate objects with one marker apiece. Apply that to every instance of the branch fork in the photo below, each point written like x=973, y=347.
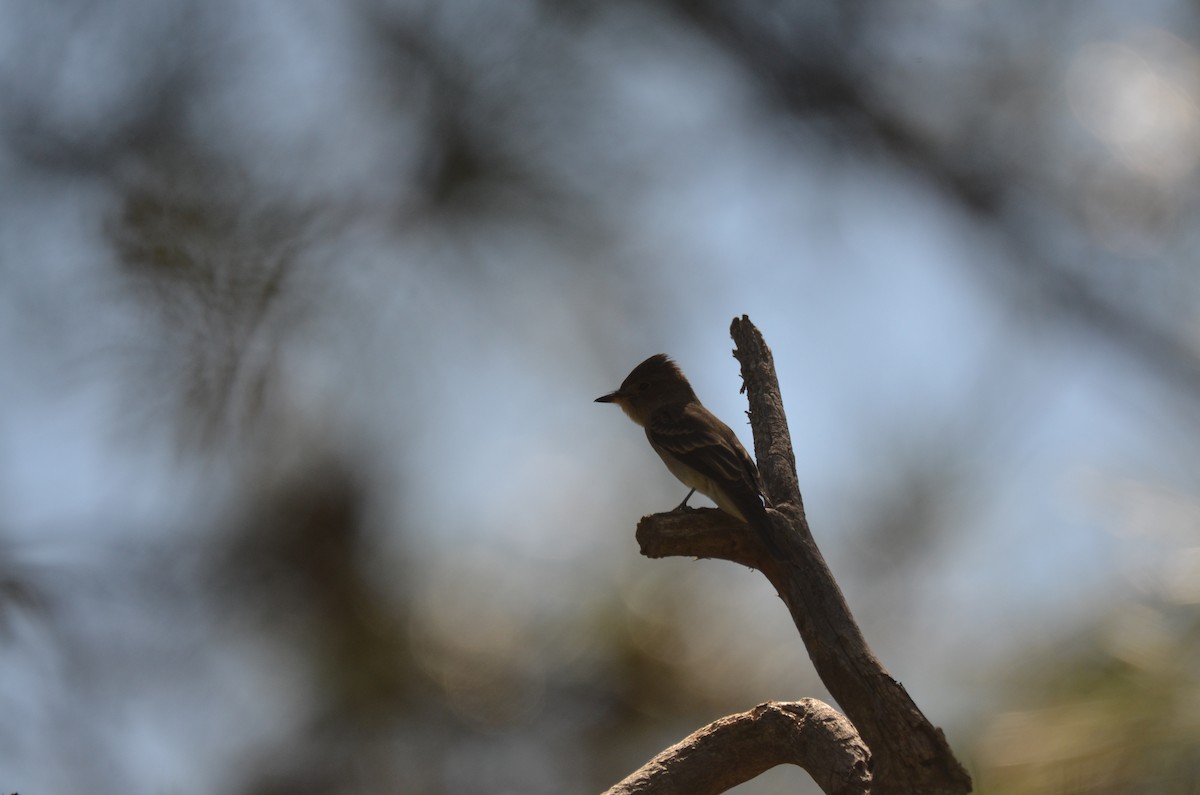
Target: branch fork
x=907, y=754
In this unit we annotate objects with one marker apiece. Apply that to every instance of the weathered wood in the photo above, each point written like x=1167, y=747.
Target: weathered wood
x=734, y=749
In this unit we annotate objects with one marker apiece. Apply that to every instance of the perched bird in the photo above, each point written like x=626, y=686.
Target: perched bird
x=697, y=447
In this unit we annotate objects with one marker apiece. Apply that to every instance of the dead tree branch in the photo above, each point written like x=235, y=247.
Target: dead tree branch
x=734, y=749
x=908, y=753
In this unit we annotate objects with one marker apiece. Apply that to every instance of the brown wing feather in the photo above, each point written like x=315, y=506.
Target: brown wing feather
x=697, y=439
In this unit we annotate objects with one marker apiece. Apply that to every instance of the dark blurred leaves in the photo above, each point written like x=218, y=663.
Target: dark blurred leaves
x=215, y=266
x=295, y=567
x=86, y=85
x=22, y=596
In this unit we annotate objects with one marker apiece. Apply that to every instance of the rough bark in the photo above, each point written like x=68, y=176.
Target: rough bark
x=734, y=749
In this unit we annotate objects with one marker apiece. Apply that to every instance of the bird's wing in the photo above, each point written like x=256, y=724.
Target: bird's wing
x=699, y=440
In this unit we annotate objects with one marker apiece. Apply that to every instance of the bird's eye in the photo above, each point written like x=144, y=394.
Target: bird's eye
x=643, y=386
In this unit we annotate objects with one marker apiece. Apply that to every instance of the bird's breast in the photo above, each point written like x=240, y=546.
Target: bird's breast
x=694, y=480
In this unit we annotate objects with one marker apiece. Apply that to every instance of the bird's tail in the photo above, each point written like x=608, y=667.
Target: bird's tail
x=755, y=513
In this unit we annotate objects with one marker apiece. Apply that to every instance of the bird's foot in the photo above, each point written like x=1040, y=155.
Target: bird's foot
x=683, y=506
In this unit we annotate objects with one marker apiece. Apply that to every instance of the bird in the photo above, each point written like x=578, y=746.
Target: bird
x=697, y=447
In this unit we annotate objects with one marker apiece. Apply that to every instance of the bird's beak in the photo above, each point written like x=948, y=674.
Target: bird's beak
x=611, y=397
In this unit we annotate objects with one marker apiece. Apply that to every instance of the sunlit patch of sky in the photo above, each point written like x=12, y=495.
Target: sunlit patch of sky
x=1138, y=97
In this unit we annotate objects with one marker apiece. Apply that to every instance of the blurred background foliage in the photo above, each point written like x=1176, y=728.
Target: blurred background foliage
x=304, y=306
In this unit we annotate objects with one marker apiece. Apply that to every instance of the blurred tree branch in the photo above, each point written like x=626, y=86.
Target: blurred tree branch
x=804, y=70
x=736, y=748
x=908, y=753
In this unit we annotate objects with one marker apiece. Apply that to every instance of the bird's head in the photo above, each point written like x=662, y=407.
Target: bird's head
x=653, y=384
